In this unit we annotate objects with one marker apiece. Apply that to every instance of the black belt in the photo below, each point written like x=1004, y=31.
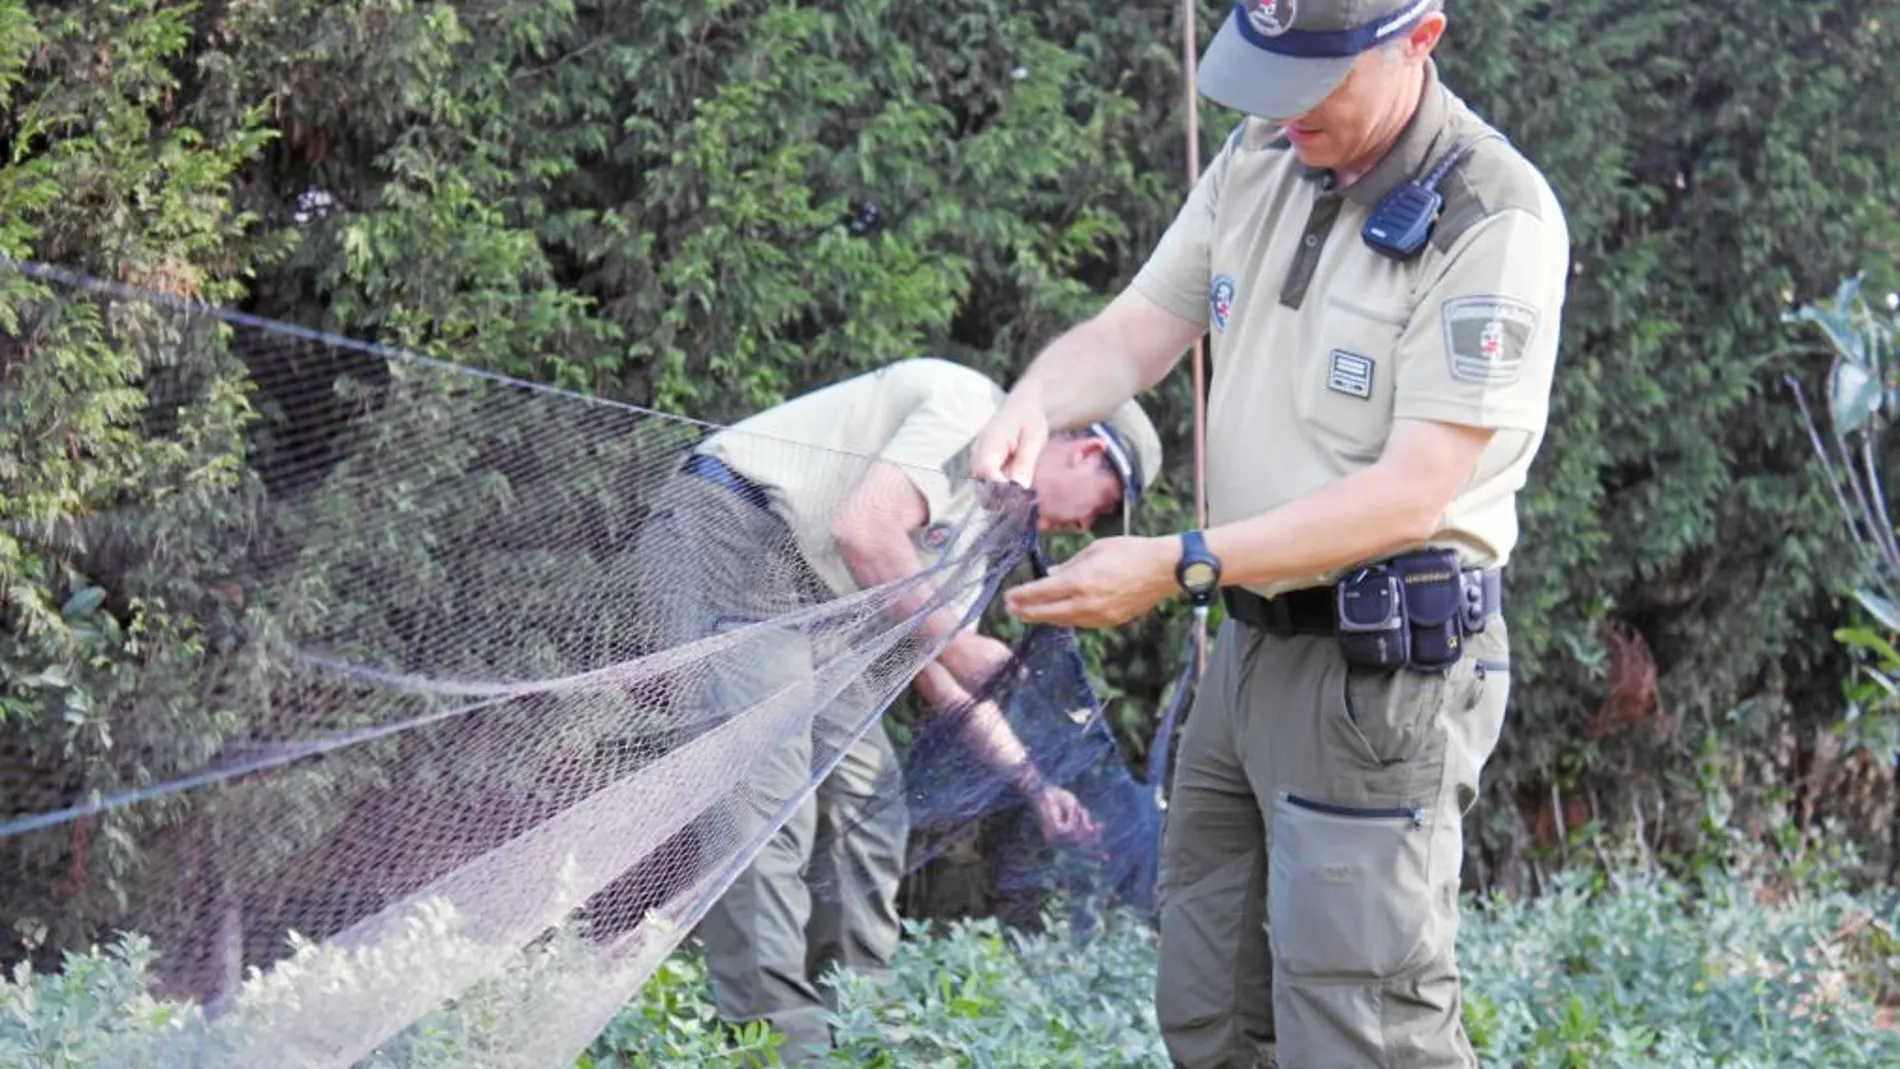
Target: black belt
x=714, y=470
x=1313, y=611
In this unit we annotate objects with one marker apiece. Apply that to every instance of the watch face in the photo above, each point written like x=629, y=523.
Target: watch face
x=1198, y=575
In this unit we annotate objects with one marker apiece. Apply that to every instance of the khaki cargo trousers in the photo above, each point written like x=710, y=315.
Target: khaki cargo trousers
x=1310, y=864
x=823, y=887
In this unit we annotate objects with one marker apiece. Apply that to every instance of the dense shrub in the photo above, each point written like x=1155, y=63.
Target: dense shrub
x=710, y=206
x=1625, y=969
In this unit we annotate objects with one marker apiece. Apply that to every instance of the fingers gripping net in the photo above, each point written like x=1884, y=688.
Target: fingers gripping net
x=478, y=684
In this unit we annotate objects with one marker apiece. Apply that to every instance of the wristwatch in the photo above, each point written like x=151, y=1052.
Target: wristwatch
x=1198, y=570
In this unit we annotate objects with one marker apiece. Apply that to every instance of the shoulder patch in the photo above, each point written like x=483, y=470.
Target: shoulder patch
x=1220, y=301
x=1486, y=338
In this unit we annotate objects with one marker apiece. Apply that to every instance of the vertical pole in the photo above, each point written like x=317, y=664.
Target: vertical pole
x=1189, y=57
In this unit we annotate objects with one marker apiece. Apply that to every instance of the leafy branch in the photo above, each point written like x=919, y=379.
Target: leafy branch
x=1863, y=397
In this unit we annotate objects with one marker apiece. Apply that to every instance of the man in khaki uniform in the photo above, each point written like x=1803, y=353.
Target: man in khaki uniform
x=855, y=485
x=1380, y=385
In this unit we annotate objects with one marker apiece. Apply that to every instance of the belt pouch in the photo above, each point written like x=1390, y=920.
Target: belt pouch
x=1434, y=606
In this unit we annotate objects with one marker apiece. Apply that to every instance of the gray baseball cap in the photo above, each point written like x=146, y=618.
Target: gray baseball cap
x=1276, y=59
x=1133, y=449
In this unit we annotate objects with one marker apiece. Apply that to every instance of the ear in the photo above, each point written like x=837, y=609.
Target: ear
x=1425, y=36
x=1088, y=449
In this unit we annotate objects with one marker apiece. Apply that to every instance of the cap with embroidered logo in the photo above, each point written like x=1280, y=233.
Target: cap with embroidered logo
x=1277, y=59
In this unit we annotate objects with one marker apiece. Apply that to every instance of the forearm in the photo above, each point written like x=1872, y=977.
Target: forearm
x=875, y=561
x=1104, y=360
x=1363, y=516
x=984, y=729
x=1081, y=376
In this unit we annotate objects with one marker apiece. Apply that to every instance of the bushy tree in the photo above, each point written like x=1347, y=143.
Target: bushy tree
x=1681, y=559
x=708, y=207
x=122, y=472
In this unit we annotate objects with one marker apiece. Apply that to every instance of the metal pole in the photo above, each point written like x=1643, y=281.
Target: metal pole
x=1189, y=55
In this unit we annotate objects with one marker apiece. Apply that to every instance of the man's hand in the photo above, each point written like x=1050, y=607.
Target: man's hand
x=1009, y=445
x=1064, y=820
x=1110, y=582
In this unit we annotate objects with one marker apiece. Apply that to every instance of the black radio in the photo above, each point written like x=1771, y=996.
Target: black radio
x=1371, y=618
x=1402, y=221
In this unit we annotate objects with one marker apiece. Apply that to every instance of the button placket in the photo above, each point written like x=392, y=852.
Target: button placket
x=1319, y=223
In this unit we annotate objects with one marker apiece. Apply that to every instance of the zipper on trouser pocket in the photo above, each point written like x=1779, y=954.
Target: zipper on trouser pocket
x=1413, y=814
x=1485, y=668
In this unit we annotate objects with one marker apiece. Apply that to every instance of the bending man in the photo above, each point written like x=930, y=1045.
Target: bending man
x=852, y=486
x=1381, y=381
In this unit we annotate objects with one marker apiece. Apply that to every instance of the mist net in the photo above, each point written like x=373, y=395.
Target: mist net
x=460, y=709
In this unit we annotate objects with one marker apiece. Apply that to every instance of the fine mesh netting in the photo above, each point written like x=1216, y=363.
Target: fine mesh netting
x=468, y=696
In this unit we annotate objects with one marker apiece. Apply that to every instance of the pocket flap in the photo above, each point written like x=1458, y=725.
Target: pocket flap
x=1433, y=593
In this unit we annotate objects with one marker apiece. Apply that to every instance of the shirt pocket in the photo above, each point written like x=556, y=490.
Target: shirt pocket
x=1346, y=379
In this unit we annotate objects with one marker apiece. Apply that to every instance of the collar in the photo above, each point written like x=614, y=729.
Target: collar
x=1409, y=153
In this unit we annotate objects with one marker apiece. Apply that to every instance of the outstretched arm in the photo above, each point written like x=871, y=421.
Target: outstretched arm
x=1081, y=376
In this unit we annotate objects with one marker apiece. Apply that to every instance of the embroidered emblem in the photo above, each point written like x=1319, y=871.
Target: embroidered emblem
x=936, y=536
x=1350, y=374
x=1220, y=301
x=1272, y=17
x=1486, y=338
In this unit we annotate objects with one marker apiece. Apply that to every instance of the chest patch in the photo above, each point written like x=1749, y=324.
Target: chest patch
x=1220, y=301
x=1350, y=374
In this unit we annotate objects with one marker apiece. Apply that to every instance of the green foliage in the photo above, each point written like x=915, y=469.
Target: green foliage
x=1715, y=174
x=121, y=452
x=979, y=994
x=660, y=202
x=1724, y=972
x=674, y=1023
x=1862, y=394
x=1612, y=967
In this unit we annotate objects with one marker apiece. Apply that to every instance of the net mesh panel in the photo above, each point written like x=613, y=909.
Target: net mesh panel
x=1055, y=712
x=478, y=699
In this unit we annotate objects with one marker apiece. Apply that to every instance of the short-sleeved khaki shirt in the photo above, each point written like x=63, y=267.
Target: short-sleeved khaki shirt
x=809, y=453
x=1319, y=343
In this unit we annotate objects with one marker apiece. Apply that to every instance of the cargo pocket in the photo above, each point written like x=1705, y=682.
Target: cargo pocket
x=1350, y=910
x=1350, y=888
